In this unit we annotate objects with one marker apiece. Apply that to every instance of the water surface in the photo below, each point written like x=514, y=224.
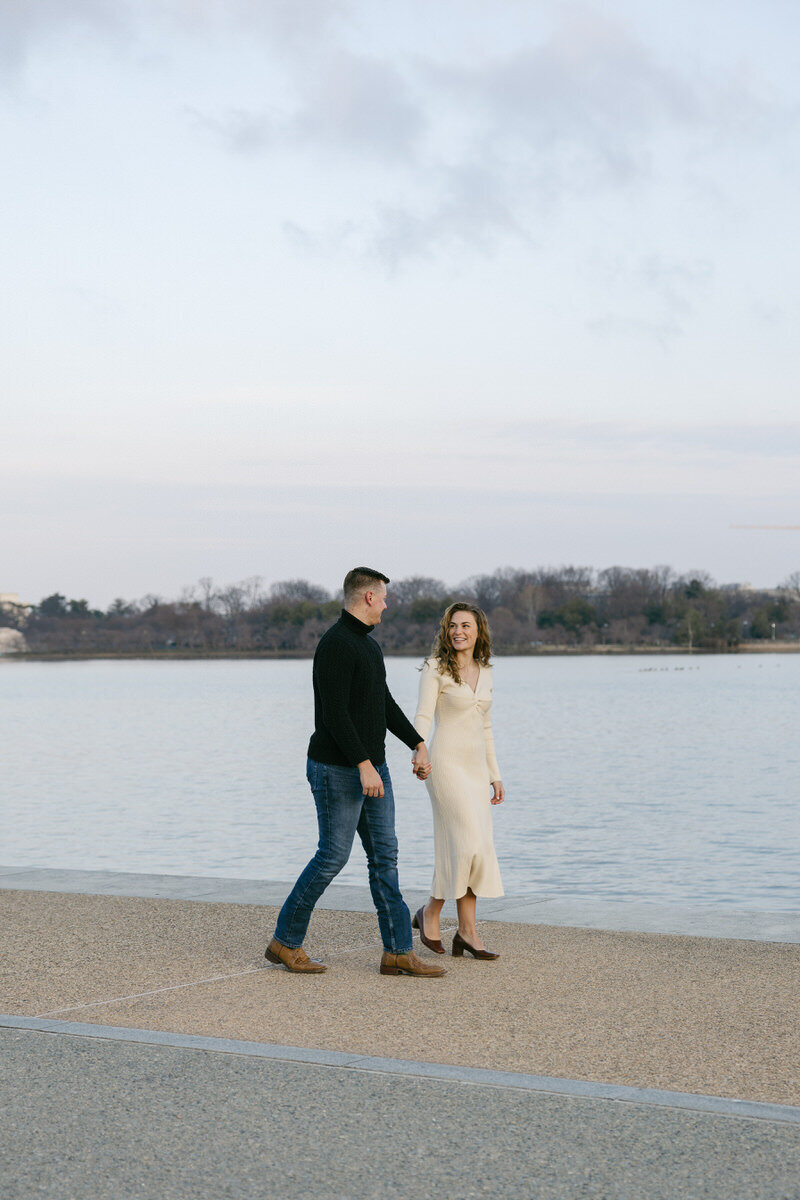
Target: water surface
x=652, y=778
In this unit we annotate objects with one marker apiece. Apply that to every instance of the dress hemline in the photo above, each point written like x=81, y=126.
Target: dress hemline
x=477, y=895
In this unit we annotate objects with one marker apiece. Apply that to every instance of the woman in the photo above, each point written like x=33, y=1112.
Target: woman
x=456, y=692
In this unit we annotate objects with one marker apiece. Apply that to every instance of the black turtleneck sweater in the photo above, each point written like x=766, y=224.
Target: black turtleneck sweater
x=353, y=707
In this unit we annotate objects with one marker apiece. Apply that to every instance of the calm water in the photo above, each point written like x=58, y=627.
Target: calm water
x=671, y=779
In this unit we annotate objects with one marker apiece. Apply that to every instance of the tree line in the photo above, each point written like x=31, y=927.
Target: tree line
x=529, y=611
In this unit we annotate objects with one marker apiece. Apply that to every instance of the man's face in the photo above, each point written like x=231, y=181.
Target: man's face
x=376, y=603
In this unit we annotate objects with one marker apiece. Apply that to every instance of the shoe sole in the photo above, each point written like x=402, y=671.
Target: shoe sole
x=413, y=974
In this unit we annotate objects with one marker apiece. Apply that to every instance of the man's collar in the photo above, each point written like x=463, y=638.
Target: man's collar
x=353, y=623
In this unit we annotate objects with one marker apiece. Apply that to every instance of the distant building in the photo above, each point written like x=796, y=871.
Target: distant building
x=11, y=603
x=773, y=593
x=11, y=641
x=16, y=611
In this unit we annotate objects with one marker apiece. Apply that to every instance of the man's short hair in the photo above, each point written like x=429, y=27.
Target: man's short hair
x=361, y=579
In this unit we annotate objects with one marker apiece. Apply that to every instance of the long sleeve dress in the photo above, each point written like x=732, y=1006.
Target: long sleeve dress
x=464, y=765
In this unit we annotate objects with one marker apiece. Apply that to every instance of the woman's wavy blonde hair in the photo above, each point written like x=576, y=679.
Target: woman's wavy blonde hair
x=443, y=649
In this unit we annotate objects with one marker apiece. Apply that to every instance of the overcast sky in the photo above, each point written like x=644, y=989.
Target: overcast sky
x=437, y=287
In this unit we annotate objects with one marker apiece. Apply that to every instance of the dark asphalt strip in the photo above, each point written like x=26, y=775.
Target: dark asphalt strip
x=576, y=1088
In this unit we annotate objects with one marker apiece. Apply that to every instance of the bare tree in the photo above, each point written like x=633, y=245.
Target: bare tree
x=559, y=584
x=695, y=582
x=253, y=588
x=489, y=591
x=232, y=601
x=150, y=600
x=628, y=590
x=206, y=585
x=418, y=587
x=292, y=590
x=623, y=605
x=663, y=579
x=791, y=584
x=530, y=599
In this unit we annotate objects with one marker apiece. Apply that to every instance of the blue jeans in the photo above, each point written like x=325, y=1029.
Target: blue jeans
x=342, y=811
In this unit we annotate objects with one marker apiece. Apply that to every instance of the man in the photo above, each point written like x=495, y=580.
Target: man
x=350, y=781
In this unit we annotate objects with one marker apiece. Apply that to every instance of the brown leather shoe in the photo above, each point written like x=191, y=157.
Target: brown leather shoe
x=293, y=960
x=409, y=964
x=431, y=943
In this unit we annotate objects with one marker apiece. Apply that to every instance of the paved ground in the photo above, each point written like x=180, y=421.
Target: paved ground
x=90, y=1117
x=712, y=1016
x=102, y=1120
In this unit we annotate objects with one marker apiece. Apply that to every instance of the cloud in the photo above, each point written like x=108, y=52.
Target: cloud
x=585, y=102
x=289, y=27
x=673, y=281
x=663, y=333
x=494, y=142
x=337, y=102
x=472, y=210
x=361, y=104
x=777, y=440
x=469, y=209
x=456, y=152
x=673, y=284
x=237, y=130
x=23, y=24
x=491, y=148
x=293, y=27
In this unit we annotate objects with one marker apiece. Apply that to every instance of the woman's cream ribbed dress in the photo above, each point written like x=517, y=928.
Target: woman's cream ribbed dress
x=464, y=765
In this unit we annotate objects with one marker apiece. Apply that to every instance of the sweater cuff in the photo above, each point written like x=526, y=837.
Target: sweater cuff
x=412, y=739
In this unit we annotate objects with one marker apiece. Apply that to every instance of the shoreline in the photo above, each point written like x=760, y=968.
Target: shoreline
x=556, y=651
x=602, y=913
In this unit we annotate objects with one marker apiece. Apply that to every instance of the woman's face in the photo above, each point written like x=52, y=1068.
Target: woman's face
x=463, y=631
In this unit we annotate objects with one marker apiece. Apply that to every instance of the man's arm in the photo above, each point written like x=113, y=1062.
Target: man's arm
x=398, y=724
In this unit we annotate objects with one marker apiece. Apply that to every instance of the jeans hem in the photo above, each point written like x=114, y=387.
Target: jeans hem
x=284, y=943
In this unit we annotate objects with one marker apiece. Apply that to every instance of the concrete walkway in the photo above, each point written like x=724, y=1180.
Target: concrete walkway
x=151, y=1052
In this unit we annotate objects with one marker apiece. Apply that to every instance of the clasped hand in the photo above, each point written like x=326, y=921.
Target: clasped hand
x=420, y=764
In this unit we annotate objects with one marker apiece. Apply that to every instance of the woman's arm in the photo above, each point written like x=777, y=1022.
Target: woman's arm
x=429, y=684
x=491, y=757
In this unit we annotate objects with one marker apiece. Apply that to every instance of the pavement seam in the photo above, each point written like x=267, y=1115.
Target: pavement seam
x=575, y=1089
x=175, y=987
